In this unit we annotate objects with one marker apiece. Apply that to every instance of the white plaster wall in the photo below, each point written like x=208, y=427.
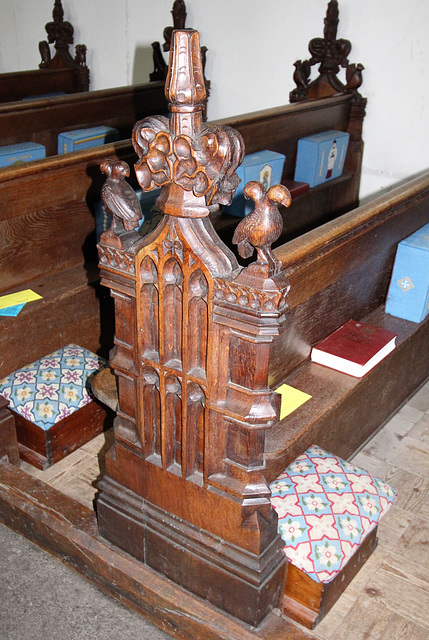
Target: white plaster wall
x=252, y=46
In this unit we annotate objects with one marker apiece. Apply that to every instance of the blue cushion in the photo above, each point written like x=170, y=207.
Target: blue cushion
x=52, y=388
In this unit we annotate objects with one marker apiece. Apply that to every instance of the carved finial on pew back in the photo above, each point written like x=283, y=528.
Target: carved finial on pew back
x=60, y=34
x=160, y=68
x=184, y=489
x=331, y=53
x=179, y=22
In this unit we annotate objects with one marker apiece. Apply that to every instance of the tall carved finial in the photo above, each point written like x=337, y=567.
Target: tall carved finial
x=60, y=32
x=331, y=52
x=196, y=165
x=179, y=21
x=160, y=68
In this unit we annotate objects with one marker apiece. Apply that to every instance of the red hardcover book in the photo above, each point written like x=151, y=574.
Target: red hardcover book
x=355, y=348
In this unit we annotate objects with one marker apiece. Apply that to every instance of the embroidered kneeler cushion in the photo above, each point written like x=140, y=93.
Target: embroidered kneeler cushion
x=328, y=511
x=51, y=402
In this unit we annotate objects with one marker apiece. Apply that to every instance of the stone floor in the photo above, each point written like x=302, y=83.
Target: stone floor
x=388, y=599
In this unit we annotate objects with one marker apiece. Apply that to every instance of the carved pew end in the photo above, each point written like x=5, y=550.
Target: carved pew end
x=329, y=512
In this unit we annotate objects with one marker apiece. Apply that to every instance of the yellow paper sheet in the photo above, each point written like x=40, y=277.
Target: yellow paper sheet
x=291, y=399
x=27, y=295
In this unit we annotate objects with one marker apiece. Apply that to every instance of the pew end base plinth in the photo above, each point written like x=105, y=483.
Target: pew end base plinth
x=200, y=562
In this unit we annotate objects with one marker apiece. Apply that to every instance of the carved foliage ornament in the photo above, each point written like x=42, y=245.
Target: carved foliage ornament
x=204, y=164
x=59, y=30
x=331, y=53
x=180, y=151
x=258, y=300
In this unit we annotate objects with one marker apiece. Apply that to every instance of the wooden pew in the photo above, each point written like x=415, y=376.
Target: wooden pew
x=340, y=271
x=59, y=74
x=42, y=119
x=69, y=531
x=201, y=344
x=213, y=531
x=32, y=206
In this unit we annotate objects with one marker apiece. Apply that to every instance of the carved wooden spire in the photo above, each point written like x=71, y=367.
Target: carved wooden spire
x=160, y=68
x=197, y=165
x=331, y=54
x=60, y=31
x=60, y=34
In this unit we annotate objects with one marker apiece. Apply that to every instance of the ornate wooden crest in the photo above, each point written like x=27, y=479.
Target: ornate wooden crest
x=331, y=53
x=60, y=34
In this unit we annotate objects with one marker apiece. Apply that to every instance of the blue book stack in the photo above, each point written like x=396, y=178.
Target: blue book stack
x=79, y=139
x=21, y=152
x=264, y=166
x=321, y=157
x=408, y=295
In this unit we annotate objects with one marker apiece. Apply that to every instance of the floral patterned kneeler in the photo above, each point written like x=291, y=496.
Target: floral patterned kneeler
x=327, y=508
x=54, y=412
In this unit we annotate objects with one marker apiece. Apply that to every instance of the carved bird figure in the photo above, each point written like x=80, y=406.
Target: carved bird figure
x=354, y=76
x=45, y=53
x=264, y=225
x=119, y=197
x=302, y=72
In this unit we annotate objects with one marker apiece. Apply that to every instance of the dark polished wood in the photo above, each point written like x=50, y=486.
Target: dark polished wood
x=331, y=54
x=58, y=74
x=43, y=119
x=8, y=441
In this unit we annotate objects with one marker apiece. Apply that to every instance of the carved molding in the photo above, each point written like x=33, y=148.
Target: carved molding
x=116, y=259
x=236, y=295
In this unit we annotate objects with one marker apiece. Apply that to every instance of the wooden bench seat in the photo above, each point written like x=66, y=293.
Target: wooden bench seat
x=344, y=412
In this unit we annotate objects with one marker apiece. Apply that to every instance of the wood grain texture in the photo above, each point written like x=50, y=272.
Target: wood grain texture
x=8, y=441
